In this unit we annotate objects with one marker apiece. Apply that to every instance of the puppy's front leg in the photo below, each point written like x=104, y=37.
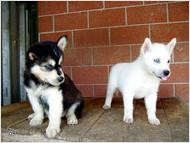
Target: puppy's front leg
x=150, y=102
x=55, y=113
x=38, y=115
x=128, y=107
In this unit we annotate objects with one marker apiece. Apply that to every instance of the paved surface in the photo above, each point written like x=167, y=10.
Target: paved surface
x=100, y=125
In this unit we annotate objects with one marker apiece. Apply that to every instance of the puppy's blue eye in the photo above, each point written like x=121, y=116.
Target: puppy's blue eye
x=157, y=60
x=49, y=67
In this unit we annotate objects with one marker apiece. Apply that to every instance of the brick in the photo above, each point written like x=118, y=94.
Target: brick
x=109, y=68
x=100, y=90
x=154, y=2
x=109, y=4
x=135, y=51
x=86, y=90
x=129, y=35
x=179, y=73
x=113, y=55
x=181, y=52
x=55, y=37
x=50, y=7
x=67, y=70
x=45, y=24
x=71, y=21
x=182, y=90
x=165, y=32
x=87, y=38
x=178, y=11
x=90, y=75
x=146, y=14
x=166, y=90
x=103, y=18
x=75, y=57
x=84, y=5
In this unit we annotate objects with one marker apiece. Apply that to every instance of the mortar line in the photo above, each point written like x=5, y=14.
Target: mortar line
x=167, y=12
x=149, y=31
x=72, y=73
x=93, y=91
x=72, y=39
x=92, y=56
x=109, y=37
x=39, y=36
x=126, y=18
x=130, y=51
x=53, y=25
x=116, y=26
x=174, y=94
x=67, y=7
x=104, y=5
x=104, y=8
x=88, y=19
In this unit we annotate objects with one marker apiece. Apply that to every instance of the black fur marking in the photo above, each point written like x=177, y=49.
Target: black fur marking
x=72, y=95
x=43, y=50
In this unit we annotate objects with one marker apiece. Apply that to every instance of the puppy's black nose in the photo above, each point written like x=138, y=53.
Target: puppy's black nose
x=60, y=79
x=166, y=72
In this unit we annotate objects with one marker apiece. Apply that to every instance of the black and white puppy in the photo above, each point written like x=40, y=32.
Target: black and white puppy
x=50, y=90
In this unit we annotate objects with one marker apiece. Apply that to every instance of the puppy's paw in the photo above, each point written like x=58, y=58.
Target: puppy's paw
x=128, y=120
x=154, y=121
x=106, y=107
x=72, y=120
x=31, y=116
x=35, y=120
x=51, y=132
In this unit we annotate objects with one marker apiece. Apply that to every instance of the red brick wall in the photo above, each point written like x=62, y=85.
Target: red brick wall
x=103, y=33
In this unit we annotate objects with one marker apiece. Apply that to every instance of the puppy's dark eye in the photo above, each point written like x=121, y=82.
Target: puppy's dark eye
x=49, y=67
x=168, y=61
x=157, y=60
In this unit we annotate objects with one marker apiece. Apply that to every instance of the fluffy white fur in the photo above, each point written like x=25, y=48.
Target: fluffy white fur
x=53, y=96
x=141, y=79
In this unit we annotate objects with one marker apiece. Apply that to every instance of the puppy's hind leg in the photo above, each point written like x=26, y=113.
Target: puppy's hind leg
x=109, y=96
x=71, y=117
x=128, y=107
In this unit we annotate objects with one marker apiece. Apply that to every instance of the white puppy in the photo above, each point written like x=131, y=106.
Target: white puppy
x=141, y=79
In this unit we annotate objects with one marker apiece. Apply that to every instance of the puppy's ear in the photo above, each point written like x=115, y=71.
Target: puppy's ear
x=171, y=45
x=146, y=46
x=62, y=42
x=32, y=56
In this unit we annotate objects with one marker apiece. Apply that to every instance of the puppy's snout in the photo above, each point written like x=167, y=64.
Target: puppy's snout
x=166, y=72
x=60, y=78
